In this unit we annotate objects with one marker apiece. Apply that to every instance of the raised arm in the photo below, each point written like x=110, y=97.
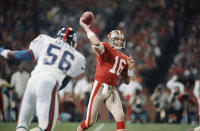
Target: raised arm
x=94, y=40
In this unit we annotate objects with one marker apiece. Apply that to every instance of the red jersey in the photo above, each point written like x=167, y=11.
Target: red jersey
x=109, y=65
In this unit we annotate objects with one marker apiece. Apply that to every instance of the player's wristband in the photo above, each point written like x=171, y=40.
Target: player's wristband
x=90, y=34
x=4, y=53
x=130, y=73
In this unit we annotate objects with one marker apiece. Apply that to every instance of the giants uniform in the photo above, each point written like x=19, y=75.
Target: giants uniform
x=109, y=66
x=56, y=59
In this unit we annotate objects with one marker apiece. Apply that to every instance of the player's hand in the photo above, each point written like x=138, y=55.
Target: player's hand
x=131, y=62
x=4, y=52
x=83, y=25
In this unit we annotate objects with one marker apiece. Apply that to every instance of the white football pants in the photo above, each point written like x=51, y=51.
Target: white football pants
x=40, y=97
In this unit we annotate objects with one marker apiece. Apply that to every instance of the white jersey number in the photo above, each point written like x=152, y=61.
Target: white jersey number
x=120, y=68
x=64, y=63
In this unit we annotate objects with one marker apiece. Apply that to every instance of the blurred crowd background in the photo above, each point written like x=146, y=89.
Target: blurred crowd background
x=162, y=35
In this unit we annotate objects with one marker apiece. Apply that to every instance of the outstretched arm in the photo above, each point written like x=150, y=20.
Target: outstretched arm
x=26, y=55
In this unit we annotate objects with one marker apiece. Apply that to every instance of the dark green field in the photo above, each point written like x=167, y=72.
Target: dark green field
x=108, y=127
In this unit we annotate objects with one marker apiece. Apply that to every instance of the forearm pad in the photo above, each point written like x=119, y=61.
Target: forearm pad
x=23, y=55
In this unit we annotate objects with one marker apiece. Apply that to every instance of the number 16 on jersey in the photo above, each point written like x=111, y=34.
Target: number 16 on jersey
x=120, y=68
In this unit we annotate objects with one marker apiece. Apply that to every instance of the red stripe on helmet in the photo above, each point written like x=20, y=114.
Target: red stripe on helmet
x=66, y=32
x=109, y=35
x=118, y=32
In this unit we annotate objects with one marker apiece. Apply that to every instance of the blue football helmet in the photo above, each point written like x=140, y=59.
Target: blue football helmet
x=68, y=35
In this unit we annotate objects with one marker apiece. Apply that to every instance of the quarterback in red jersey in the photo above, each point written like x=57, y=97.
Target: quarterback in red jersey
x=111, y=63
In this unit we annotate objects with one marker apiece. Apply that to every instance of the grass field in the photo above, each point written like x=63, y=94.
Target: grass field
x=108, y=127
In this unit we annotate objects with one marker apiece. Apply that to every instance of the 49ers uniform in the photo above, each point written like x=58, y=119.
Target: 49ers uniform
x=110, y=64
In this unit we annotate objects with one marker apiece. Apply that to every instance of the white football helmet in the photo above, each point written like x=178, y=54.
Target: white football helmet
x=116, y=34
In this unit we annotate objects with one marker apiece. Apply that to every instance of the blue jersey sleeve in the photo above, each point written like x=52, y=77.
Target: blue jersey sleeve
x=26, y=55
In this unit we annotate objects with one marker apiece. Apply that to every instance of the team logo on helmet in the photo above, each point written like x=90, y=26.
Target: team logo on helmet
x=116, y=34
x=68, y=35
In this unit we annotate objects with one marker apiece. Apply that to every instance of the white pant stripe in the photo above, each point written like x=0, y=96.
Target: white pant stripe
x=89, y=105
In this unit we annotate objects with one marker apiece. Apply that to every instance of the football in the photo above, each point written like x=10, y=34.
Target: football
x=88, y=17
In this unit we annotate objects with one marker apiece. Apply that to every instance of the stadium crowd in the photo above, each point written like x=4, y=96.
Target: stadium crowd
x=149, y=28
